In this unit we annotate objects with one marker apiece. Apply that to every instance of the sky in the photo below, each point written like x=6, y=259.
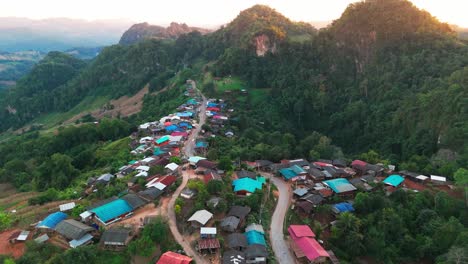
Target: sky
x=207, y=13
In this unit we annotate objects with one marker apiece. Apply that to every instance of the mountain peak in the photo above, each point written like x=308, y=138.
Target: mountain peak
x=145, y=30
x=263, y=28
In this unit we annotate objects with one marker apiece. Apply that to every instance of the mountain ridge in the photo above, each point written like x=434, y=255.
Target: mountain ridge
x=142, y=31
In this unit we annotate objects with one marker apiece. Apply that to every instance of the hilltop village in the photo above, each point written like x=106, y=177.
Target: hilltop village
x=218, y=212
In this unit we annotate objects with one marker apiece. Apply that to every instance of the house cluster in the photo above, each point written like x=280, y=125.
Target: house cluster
x=218, y=115
x=247, y=247
x=316, y=183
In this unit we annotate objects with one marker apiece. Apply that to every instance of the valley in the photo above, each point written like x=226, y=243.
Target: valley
x=264, y=141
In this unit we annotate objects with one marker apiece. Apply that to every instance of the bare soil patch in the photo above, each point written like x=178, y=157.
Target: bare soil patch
x=6, y=248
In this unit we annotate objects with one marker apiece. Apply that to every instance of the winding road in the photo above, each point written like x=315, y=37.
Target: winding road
x=188, y=151
x=278, y=243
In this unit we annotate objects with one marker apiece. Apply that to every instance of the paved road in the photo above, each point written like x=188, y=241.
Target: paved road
x=278, y=243
x=188, y=150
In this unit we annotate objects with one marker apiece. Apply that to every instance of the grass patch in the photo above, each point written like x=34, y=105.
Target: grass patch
x=230, y=83
x=88, y=104
x=259, y=95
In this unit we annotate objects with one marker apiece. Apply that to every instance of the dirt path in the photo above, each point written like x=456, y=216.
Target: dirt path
x=188, y=150
x=278, y=243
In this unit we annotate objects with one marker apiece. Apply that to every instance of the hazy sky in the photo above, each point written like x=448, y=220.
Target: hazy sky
x=206, y=12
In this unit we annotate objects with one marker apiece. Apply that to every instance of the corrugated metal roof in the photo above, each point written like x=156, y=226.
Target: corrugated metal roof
x=112, y=210
x=340, y=185
x=78, y=242
x=201, y=216
x=246, y=184
x=254, y=237
x=52, y=220
x=67, y=206
x=394, y=180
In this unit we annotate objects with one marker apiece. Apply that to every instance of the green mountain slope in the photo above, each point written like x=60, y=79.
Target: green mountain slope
x=369, y=80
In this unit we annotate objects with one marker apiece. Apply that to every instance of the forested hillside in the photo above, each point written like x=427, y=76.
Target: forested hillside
x=396, y=85
x=386, y=82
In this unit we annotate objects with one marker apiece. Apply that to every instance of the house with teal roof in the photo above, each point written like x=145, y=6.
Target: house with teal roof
x=293, y=173
x=163, y=140
x=113, y=211
x=340, y=186
x=393, y=180
x=247, y=186
x=255, y=238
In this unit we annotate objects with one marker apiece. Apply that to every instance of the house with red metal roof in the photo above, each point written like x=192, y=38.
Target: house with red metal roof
x=304, y=244
x=173, y=258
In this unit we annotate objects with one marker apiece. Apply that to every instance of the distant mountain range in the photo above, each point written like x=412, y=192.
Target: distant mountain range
x=143, y=31
x=60, y=34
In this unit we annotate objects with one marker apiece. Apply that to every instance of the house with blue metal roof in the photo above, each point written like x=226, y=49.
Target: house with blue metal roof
x=393, y=180
x=340, y=186
x=255, y=237
x=342, y=207
x=112, y=212
x=247, y=186
x=52, y=220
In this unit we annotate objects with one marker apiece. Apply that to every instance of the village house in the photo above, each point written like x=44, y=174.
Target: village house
x=304, y=245
x=200, y=218
x=19, y=236
x=293, y=173
x=256, y=254
x=236, y=241
x=77, y=232
x=394, y=180
x=51, y=221
x=112, y=212
x=230, y=223
x=247, y=186
x=234, y=257
x=341, y=187
x=342, y=208
x=245, y=173
x=263, y=165
x=116, y=238
x=173, y=258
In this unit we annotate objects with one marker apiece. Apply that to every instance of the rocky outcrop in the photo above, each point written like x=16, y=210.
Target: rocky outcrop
x=143, y=31
x=263, y=44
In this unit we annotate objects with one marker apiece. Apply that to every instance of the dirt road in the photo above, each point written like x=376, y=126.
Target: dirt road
x=188, y=151
x=278, y=243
